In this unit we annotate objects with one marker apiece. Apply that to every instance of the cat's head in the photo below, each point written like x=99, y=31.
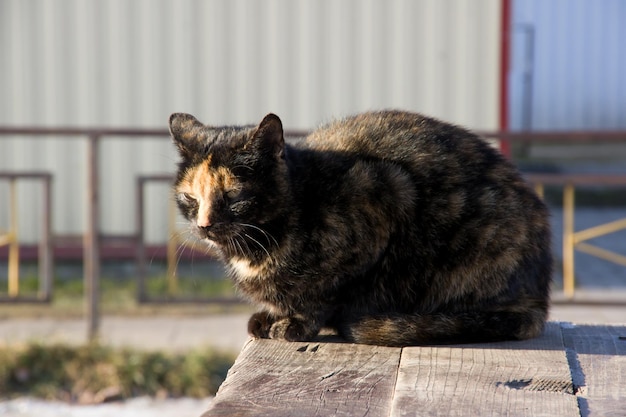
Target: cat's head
x=232, y=181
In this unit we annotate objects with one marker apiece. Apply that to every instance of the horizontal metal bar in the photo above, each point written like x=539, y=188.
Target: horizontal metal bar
x=81, y=133
x=562, y=136
x=577, y=179
x=605, y=254
x=548, y=136
x=599, y=230
x=7, y=238
x=77, y=131
x=155, y=178
x=25, y=175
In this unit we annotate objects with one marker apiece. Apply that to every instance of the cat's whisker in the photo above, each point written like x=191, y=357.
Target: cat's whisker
x=267, y=235
x=258, y=243
x=179, y=254
x=234, y=246
x=247, y=251
x=209, y=251
x=182, y=245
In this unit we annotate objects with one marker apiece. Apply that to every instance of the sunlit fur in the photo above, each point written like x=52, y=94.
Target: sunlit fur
x=391, y=227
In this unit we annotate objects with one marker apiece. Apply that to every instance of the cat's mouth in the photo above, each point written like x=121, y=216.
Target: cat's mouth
x=211, y=233
x=242, y=239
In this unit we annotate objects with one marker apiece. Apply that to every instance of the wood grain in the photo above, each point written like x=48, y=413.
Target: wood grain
x=528, y=378
x=597, y=356
x=274, y=378
x=569, y=371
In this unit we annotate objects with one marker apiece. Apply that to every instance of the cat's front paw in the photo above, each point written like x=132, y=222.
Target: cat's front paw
x=259, y=325
x=292, y=330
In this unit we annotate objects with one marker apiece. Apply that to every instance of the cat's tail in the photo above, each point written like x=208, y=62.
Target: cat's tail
x=444, y=328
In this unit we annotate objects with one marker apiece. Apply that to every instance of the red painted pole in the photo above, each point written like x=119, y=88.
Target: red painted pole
x=505, y=63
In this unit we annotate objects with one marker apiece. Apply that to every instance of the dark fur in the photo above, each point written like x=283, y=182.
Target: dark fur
x=391, y=227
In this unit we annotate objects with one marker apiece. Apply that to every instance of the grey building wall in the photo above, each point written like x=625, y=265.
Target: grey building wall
x=576, y=63
x=131, y=63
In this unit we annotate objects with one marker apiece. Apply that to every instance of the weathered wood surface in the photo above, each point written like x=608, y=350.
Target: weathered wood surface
x=272, y=378
x=597, y=356
x=568, y=371
x=511, y=378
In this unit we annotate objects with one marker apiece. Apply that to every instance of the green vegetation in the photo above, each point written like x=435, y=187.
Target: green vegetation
x=118, y=288
x=96, y=373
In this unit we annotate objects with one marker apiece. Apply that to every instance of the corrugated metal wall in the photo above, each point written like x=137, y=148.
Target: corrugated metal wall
x=577, y=64
x=132, y=63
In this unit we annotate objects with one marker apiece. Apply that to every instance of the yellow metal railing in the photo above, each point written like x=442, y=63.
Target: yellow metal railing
x=575, y=240
x=9, y=238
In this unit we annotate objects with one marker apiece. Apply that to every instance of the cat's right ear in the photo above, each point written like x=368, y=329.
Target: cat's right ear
x=186, y=133
x=269, y=135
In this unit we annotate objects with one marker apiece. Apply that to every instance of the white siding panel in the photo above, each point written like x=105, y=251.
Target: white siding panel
x=131, y=63
x=578, y=67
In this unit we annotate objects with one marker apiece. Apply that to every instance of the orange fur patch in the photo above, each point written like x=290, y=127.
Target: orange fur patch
x=205, y=183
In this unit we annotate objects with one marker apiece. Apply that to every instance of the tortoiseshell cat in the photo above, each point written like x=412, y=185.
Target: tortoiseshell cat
x=391, y=227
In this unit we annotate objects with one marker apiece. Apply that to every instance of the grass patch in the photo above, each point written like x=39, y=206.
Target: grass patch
x=118, y=291
x=97, y=373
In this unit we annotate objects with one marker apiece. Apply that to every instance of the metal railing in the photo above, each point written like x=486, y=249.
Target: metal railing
x=94, y=136
x=575, y=240
x=10, y=237
x=91, y=236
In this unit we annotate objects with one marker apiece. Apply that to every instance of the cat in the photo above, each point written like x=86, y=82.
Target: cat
x=390, y=227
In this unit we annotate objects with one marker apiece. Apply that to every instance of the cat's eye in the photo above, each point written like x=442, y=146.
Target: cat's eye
x=186, y=198
x=233, y=193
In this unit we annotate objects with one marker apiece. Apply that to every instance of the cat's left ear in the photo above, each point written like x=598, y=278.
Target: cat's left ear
x=269, y=135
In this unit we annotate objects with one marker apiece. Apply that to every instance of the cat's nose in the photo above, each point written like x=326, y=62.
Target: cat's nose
x=204, y=232
x=202, y=223
x=203, y=218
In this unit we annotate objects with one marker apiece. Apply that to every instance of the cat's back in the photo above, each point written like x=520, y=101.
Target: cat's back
x=424, y=145
x=389, y=134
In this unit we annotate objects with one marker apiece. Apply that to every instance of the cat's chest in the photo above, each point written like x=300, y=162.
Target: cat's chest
x=244, y=270
x=259, y=284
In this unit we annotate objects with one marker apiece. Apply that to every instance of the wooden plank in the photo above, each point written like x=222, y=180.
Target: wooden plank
x=527, y=378
x=597, y=356
x=274, y=378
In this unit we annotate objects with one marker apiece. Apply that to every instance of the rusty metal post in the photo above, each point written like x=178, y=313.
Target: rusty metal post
x=141, y=248
x=92, y=240
x=46, y=265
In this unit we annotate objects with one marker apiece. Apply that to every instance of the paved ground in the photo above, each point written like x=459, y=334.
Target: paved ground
x=226, y=332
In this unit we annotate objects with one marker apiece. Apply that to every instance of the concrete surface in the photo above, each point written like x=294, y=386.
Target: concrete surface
x=226, y=332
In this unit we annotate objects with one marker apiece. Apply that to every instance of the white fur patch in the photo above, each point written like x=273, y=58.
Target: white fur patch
x=242, y=268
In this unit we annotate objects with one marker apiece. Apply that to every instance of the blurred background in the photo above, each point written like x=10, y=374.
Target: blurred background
x=550, y=72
